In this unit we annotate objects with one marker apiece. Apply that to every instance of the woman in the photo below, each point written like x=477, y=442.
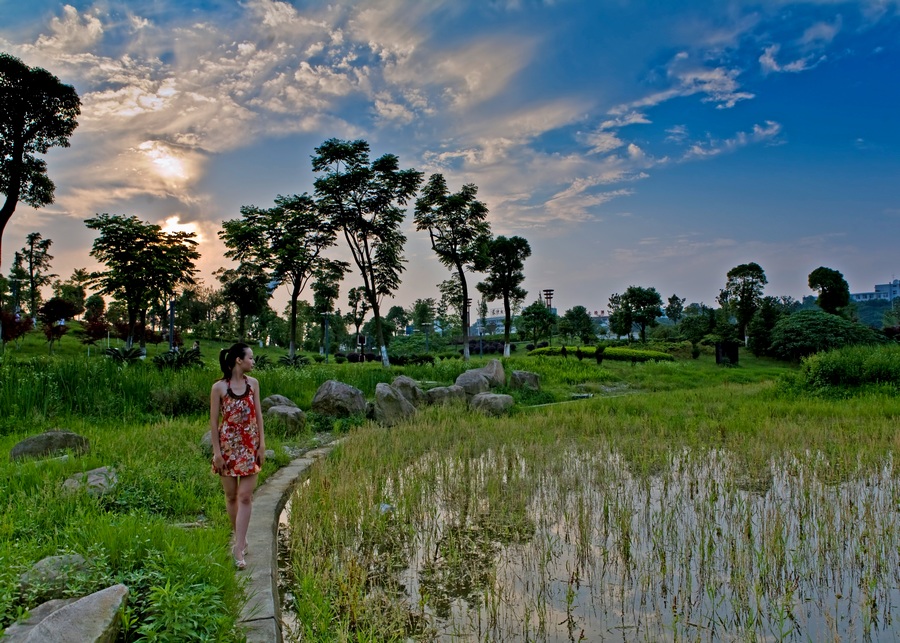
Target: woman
x=238, y=440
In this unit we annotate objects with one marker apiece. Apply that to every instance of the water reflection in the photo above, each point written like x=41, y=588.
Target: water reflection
x=577, y=546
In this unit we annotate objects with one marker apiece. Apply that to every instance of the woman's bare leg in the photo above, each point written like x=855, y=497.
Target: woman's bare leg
x=245, y=488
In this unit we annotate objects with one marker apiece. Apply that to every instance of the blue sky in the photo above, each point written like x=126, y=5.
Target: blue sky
x=631, y=142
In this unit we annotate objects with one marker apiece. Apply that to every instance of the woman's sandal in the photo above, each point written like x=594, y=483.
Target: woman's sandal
x=240, y=563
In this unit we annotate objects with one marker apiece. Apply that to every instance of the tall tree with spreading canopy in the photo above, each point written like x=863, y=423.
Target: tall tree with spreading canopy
x=577, y=322
x=506, y=263
x=37, y=112
x=834, y=293
x=144, y=265
x=675, y=308
x=640, y=306
x=536, y=321
x=743, y=293
x=365, y=201
x=459, y=232
x=287, y=241
x=36, y=260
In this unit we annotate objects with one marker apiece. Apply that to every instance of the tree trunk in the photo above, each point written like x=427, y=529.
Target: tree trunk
x=14, y=185
x=379, y=334
x=293, y=348
x=507, y=322
x=465, y=313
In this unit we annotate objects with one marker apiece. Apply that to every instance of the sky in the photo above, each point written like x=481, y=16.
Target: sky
x=648, y=143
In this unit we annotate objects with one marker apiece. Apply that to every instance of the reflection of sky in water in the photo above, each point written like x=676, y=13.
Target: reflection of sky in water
x=702, y=550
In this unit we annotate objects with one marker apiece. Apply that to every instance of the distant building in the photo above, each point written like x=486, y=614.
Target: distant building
x=882, y=291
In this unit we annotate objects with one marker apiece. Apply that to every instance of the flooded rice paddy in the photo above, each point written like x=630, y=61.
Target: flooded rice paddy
x=586, y=546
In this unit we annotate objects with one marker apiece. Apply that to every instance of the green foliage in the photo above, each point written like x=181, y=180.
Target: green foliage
x=176, y=360
x=124, y=355
x=637, y=305
x=834, y=293
x=38, y=112
x=809, y=331
x=612, y=353
x=536, y=321
x=841, y=370
x=294, y=361
x=505, y=274
x=743, y=293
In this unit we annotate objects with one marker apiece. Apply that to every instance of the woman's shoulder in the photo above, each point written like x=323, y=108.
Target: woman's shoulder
x=253, y=382
x=220, y=386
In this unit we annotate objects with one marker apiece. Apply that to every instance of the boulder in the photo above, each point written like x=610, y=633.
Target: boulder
x=525, y=379
x=19, y=631
x=445, y=395
x=51, y=443
x=492, y=403
x=50, y=576
x=473, y=382
x=290, y=417
x=339, y=400
x=493, y=371
x=97, y=482
x=92, y=619
x=390, y=405
x=409, y=388
x=206, y=444
x=276, y=400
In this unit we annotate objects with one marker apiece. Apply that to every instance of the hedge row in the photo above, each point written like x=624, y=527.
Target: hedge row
x=611, y=353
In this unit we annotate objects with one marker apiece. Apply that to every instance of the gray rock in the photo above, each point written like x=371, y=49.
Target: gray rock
x=97, y=482
x=339, y=400
x=270, y=453
x=50, y=576
x=92, y=619
x=276, y=400
x=291, y=418
x=493, y=371
x=390, y=405
x=51, y=443
x=18, y=632
x=445, y=395
x=409, y=388
x=525, y=379
x=473, y=382
x=206, y=444
x=492, y=403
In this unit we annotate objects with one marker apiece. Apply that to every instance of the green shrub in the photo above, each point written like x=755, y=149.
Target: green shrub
x=853, y=366
x=613, y=353
x=811, y=331
x=124, y=355
x=176, y=360
x=296, y=361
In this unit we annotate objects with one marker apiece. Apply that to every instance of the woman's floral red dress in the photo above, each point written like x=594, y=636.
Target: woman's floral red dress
x=239, y=433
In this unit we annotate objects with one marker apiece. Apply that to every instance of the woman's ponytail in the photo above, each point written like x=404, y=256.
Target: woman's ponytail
x=228, y=357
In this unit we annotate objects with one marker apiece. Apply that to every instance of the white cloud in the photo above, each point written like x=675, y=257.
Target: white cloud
x=72, y=32
x=767, y=133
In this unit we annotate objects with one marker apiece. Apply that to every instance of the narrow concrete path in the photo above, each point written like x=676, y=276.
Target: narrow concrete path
x=261, y=615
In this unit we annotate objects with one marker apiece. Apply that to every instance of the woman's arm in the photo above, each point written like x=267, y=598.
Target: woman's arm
x=215, y=405
x=261, y=456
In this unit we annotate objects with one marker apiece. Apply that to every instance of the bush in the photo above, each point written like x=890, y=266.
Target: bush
x=175, y=360
x=340, y=359
x=124, y=355
x=615, y=353
x=853, y=366
x=810, y=331
x=296, y=361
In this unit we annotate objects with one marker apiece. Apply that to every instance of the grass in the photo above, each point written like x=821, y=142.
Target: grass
x=434, y=508
x=712, y=504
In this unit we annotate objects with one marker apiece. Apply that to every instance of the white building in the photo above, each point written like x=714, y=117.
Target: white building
x=882, y=291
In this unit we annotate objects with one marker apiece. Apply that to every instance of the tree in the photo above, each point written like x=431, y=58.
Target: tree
x=422, y=313
x=327, y=287
x=73, y=289
x=36, y=258
x=359, y=307
x=834, y=293
x=577, y=322
x=770, y=312
x=506, y=262
x=459, y=232
x=536, y=321
x=94, y=307
x=287, y=241
x=743, y=293
x=37, y=112
x=143, y=264
x=675, y=308
x=364, y=201
x=636, y=305
x=246, y=288
x=810, y=331
x=53, y=316
x=451, y=306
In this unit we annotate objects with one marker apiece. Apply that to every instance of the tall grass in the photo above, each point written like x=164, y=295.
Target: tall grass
x=717, y=509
